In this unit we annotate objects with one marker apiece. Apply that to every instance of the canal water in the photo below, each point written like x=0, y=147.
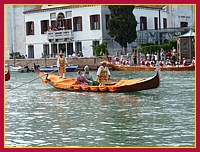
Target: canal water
x=42, y=116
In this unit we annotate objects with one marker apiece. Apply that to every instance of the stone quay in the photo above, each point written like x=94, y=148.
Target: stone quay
x=92, y=62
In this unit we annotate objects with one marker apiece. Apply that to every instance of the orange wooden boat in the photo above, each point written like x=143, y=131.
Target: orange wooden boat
x=149, y=68
x=69, y=84
x=7, y=75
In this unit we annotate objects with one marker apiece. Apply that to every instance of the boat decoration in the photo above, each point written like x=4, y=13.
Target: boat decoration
x=70, y=84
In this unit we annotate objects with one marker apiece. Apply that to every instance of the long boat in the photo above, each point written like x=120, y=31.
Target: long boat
x=69, y=68
x=149, y=68
x=69, y=84
x=7, y=75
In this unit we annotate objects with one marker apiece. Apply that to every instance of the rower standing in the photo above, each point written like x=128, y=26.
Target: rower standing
x=61, y=64
x=103, y=74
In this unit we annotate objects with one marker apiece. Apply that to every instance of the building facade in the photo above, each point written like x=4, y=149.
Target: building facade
x=50, y=30
x=15, y=28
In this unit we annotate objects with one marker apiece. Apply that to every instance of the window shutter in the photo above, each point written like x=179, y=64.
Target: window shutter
x=80, y=23
x=98, y=18
x=27, y=28
x=42, y=27
x=32, y=28
x=140, y=23
x=91, y=22
x=74, y=24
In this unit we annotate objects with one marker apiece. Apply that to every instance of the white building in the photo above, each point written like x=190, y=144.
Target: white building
x=14, y=28
x=83, y=26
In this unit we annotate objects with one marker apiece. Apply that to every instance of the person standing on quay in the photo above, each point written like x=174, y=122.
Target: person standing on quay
x=103, y=74
x=61, y=64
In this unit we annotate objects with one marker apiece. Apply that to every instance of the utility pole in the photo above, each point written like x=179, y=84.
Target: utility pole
x=159, y=27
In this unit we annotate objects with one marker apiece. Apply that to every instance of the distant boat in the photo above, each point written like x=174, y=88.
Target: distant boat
x=7, y=75
x=69, y=68
x=19, y=69
x=148, y=68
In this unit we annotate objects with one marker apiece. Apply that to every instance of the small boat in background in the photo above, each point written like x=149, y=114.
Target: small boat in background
x=7, y=74
x=19, y=69
x=69, y=68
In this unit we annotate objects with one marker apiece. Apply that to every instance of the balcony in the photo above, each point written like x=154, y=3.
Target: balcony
x=65, y=35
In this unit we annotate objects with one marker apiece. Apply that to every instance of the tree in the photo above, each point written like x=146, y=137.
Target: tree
x=122, y=24
x=100, y=49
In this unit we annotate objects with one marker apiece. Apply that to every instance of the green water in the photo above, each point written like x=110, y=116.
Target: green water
x=38, y=115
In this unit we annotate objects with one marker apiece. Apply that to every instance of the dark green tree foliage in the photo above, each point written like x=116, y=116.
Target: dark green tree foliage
x=122, y=24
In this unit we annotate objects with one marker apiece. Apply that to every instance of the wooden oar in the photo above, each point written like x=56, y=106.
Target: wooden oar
x=32, y=80
x=26, y=83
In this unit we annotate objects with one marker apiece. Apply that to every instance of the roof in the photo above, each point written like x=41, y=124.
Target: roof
x=49, y=7
x=35, y=9
x=188, y=34
x=152, y=6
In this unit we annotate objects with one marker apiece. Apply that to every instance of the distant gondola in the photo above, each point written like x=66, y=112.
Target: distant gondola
x=149, y=68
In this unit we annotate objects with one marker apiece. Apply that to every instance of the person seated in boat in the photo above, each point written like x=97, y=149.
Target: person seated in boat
x=193, y=62
x=103, y=74
x=152, y=63
x=80, y=79
x=117, y=60
x=61, y=64
x=122, y=62
x=147, y=63
x=177, y=63
x=185, y=63
x=88, y=77
x=127, y=62
x=143, y=62
x=161, y=62
x=168, y=63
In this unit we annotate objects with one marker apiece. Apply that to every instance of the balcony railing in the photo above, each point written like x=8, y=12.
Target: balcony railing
x=61, y=34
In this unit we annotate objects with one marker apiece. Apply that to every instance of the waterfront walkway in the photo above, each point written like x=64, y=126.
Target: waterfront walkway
x=92, y=62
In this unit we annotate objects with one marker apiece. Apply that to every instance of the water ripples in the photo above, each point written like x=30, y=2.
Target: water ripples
x=39, y=115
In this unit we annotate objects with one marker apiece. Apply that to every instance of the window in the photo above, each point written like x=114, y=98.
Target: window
x=54, y=50
x=143, y=23
x=185, y=47
x=30, y=51
x=155, y=23
x=60, y=21
x=68, y=14
x=95, y=43
x=164, y=23
x=68, y=24
x=77, y=23
x=70, y=48
x=107, y=18
x=29, y=28
x=53, y=16
x=184, y=24
x=95, y=22
x=78, y=47
x=44, y=26
x=46, y=50
x=53, y=24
